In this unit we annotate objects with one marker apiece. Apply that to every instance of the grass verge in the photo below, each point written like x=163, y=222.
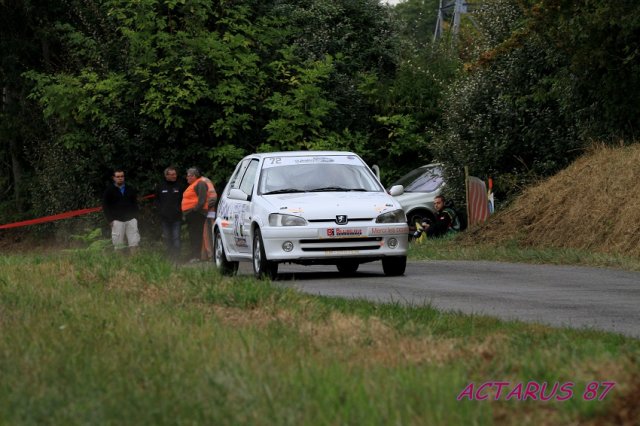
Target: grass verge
x=94, y=338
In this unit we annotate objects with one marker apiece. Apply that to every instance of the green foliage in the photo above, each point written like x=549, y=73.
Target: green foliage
x=405, y=146
x=92, y=240
x=601, y=83
x=408, y=105
x=361, y=38
x=416, y=20
x=224, y=159
x=547, y=78
x=61, y=184
x=301, y=109
x=201, y=83
x=140, y=85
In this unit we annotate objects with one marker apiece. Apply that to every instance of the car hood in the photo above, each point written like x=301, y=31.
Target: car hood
x=326, y=205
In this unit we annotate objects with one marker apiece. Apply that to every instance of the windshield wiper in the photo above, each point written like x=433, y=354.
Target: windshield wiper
x=284, y=191
x=336, y=189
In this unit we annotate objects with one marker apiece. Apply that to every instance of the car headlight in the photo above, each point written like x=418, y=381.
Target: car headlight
x=276, y=219
x=396, y=216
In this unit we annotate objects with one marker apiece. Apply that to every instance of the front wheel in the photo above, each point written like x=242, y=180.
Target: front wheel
x=262, y=268
x=224, y=266
x=394, y=266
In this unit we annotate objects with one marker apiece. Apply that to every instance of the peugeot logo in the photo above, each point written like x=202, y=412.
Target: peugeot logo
x=341, y=219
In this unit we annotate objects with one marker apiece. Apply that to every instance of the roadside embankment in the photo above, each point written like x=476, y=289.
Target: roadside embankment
x=594, y=205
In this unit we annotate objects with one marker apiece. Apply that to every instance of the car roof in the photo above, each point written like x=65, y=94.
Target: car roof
x=299, y=153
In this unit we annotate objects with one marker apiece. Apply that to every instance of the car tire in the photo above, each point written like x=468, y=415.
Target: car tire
x=262, y=267
x=220, y=259
x=394, y=266
x=418, y=215
x=347, y=268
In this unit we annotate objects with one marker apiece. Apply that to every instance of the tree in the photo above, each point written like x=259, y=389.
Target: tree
x=194, y=82
x=549, y=77
x=601, y=82
x=25, y=43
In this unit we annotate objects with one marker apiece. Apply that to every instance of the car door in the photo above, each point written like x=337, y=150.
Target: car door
x=230, y=206
x=240, y=214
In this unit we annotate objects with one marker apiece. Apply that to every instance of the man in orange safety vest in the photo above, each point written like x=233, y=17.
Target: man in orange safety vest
x=198, y=201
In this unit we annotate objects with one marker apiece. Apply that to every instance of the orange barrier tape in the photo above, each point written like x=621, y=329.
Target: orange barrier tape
x=58, y=216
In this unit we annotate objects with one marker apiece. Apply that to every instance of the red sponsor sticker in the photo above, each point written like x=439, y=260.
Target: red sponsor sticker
x=342, y=232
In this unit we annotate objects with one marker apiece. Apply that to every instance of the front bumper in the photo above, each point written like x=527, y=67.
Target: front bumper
x=305, y=244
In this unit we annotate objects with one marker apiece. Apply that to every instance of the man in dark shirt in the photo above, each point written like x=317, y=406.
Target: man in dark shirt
x=444, y=219
x=120, y=206
x=168, y=204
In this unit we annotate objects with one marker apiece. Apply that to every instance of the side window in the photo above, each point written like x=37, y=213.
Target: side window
x=246, y=185
x=237, y=176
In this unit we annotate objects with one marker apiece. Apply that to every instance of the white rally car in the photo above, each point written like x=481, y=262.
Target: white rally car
x=308, y=207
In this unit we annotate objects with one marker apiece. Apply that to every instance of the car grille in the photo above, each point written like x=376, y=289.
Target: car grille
x=333, y=220
x=341, y=244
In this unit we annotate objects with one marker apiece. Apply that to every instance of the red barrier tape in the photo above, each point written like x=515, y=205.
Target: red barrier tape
x=59, y=216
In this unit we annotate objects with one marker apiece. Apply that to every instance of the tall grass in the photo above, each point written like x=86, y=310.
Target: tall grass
x=89, y=337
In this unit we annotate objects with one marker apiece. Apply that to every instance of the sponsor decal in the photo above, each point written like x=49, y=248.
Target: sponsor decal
x=348, y=232
x=314, y=160
x=331, y=159
x=390, y=230
x=340, y=232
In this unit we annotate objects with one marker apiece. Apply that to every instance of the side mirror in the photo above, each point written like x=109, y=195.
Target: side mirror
x=236, y=194
x=396, y=190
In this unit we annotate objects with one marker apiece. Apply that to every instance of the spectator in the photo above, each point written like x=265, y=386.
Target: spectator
x=445, y=218
x=120, y=206
x=168, y=204
x=198, y=199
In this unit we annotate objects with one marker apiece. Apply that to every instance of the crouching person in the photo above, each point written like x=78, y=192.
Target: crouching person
x=446, y=222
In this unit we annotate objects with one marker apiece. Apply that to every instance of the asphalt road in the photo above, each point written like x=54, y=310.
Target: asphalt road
x=578, y=297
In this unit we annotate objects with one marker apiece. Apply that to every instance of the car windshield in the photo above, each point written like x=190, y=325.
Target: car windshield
x=325, y=173
x=423, y=179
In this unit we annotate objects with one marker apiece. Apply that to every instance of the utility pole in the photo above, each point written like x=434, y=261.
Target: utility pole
x=459, y=8
x=455, y=9
x=438, y=32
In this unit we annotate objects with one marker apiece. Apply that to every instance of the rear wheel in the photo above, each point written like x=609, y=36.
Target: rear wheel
x=347, y=268
x=224, y=266
x=394, y=266
x=262, y=268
